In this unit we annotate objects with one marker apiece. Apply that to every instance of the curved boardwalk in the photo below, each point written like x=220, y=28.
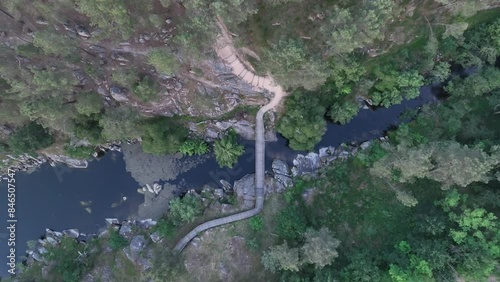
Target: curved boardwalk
x=226, y=51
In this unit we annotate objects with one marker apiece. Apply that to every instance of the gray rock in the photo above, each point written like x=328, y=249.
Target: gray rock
x=226, y=185
x=219, y=193
x=80, y=76
x=155, y=237
x=73, y=163
x=41, y=21
x=119, y=57
x=110, y=221
x=245, y=190
x=97, y=48
x=118, y=93
x=73, y=233
x=36, y=256
x=308, y=164
x=82, y=31
x=125, y=230
x=137, y=245
x=281, y=175
x=365, y=145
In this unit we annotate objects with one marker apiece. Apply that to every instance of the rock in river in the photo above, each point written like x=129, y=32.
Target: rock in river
x=281, y=175
x=308, y=164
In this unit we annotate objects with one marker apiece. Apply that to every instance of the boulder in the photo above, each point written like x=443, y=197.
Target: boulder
x=125, y=230
x=281, y=175
x=365, y=145
x=137, y=245
x=226, y=185
x=155, y=237
x=118, y=93
x=308, y=164
x=112, y=221
x=245, y=190
x=73, y=233
x=80, y=30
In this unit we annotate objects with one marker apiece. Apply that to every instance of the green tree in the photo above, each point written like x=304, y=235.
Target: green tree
x=392, y=87
x=30, y=138
x=120, y=124
x=227, y=150
x=303, y=123
x=343, y=112
x=291, y=65
x=281, y=257
x=53, y=43
x=192, y=147
x=69, y=259
x=162, y=135
x=163, y=61
x=441, y=72
x=320, y=247
x=110, y=16
x=183, y=210
x=88, y=103
x=475, y=85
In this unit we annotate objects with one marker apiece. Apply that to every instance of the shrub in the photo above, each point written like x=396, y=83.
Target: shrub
x=89, y=103
x=80, y=152
x=53, y=44
x=256, y=223
x=145, y=89
x=163, y=61
x=194, y=147
x=185, y=209
x=67, y=262
x=165, y=227
x=125, y=78
x=117, y=241
x=227, y=150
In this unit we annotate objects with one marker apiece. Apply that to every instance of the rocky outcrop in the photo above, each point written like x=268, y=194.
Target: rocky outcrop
x=70, y=162
x=282, y=175
x=245, y=128
x=312, y=162
x=136, y=253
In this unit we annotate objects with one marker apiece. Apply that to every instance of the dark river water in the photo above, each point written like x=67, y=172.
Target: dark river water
x=57, y=197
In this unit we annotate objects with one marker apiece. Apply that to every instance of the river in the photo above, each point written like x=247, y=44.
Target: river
x=60, y=198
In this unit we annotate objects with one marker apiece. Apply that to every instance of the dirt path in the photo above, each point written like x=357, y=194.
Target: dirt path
x=226, y=51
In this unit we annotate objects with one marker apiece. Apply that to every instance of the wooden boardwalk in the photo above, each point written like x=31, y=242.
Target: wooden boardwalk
x=225, y=50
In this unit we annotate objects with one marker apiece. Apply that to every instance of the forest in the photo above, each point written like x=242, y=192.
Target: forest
x=422, y=206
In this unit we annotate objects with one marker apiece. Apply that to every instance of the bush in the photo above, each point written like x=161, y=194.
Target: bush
x=53, y=43
x=256, y=223
x=30, y=138
x=89, y=103
x=120, y=124
x=145, y=89
x=111, y=16
x=194, y=147
x=80, y=152
x=227, y=150
x=117, y=241
x=125, y=78
x=165, y=227
x=185, y=209
x=67, y=262
x=163, y=61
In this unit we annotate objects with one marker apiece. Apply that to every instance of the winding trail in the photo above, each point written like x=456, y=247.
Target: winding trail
x=226, y=51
